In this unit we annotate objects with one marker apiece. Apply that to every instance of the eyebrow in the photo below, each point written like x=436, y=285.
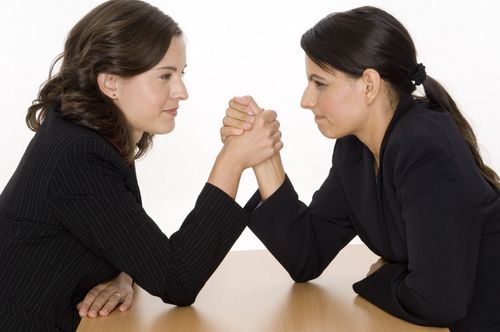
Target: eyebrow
x=315, y=77
x=170, y=67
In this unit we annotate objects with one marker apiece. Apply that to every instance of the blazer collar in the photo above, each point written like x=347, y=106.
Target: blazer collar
x=404, y=106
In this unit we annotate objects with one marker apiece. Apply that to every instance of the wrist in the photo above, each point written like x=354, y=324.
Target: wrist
x=225, y=159
x=270, y=176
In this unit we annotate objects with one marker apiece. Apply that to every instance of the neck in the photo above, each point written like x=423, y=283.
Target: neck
x=136, y=136
x=380, y=115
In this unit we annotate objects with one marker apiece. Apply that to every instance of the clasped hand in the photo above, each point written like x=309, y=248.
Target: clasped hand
x=252, y=131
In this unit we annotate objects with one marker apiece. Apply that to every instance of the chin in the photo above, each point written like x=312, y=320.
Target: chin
x=163, y=131
x=328, y=133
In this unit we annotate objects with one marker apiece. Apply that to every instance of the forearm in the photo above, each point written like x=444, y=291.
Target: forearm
x=270, y=175
x=202, y=242
x=302, y=240
x=226, y=174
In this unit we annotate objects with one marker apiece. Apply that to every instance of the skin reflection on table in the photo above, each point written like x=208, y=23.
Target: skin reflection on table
x=251, y=292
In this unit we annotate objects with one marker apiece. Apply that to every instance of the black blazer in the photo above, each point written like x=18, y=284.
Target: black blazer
x=71, y=217
x=429, y=213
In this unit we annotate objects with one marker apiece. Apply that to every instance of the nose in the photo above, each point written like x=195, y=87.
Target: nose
x=179, y=91
x=308, y=99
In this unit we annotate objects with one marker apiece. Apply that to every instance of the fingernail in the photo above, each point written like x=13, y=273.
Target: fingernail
x=251, y=119
x=247, y=125
x=104, y=312
x=92, y=313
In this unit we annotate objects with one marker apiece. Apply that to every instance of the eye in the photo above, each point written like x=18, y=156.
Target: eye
x=319, y=84
x=183, y=73
x=166, y=77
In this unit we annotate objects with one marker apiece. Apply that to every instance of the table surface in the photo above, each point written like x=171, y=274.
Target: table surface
x=250, y=291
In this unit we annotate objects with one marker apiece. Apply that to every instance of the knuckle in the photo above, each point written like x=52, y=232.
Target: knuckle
x=85, y=305
x=96, y=306
x=93, y=293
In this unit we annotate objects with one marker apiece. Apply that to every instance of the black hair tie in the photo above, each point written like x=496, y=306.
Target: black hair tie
x=419, y=75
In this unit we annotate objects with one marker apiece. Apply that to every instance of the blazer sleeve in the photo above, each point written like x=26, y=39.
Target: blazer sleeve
x=89, y=196
x=304, y=239
x=443, y=231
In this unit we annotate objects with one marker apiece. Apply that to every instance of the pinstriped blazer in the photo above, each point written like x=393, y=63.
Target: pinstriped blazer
x=71, y=217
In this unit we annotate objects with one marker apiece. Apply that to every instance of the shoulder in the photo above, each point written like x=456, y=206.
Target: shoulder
x=74, y=146
x=72, y=138
x=88, y=166
x=424, y=131
x=424, y=144
x=426, y=126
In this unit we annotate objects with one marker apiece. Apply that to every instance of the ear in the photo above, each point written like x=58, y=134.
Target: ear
x=108, y=84
x=372, y=81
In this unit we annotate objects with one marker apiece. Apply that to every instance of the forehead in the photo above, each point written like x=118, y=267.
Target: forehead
x=176, y=52
x=313, y=68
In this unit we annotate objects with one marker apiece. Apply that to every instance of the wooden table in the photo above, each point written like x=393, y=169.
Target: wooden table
x=251, y=292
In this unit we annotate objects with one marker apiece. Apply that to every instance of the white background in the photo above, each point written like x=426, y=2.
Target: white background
x=249, y=47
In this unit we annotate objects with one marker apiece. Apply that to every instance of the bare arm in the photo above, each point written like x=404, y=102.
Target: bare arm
x=270, y=173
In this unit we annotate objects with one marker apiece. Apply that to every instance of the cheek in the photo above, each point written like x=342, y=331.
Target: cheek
x=334, y=105
x=145, y=95
x=342, y=113
x=150, y=95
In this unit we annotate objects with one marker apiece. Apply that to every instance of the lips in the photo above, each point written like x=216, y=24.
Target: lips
x=172, y=111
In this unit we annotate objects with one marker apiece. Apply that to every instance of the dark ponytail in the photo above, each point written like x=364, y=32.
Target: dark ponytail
x=368, y=37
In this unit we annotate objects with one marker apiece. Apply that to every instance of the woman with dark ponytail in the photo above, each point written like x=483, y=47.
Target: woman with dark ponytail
x=71, y=216
x=406, y=177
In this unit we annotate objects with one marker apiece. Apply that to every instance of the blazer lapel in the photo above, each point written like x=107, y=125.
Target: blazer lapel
x=358, y=181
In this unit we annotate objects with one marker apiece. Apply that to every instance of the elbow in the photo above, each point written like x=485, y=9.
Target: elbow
x=299, y=279
x=186, y=302
x=303, y=274
x=180, y=299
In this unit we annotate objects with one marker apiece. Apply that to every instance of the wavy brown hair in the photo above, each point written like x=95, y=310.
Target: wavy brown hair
x=368, y=37
x=121, y=37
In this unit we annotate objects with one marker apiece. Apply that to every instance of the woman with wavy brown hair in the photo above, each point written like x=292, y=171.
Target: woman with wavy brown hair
x=71, y=215
x=406, y=177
